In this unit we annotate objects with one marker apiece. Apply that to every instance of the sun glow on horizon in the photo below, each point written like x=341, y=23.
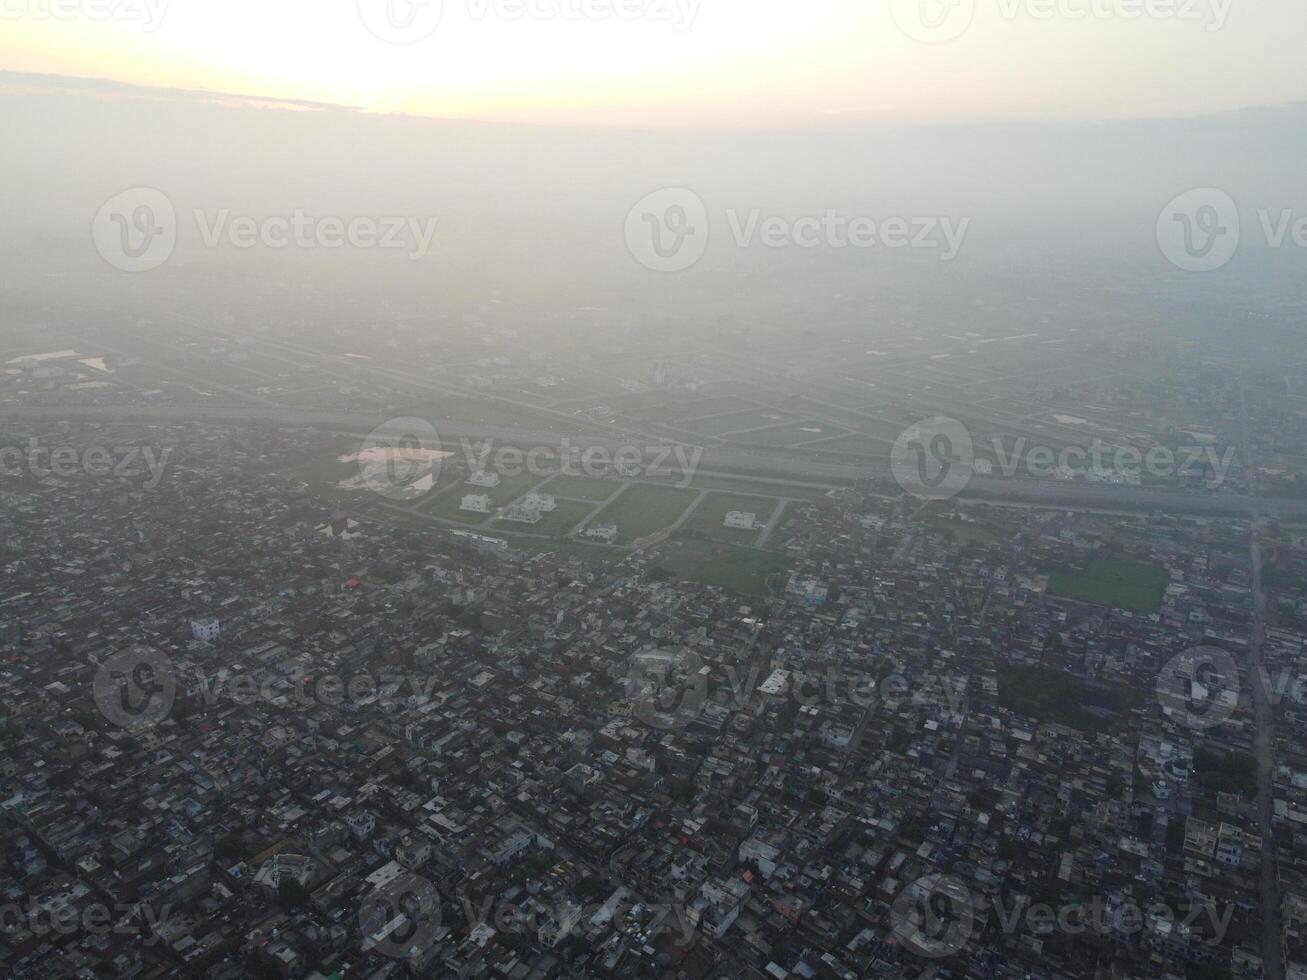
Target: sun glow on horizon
x=635, y=62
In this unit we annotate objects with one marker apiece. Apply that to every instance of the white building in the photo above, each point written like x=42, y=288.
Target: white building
x=607, y=533
x=205, y=629
x=481, y=478
x=543, y=502
x=284, y=867
x=717, y=906
x=477, y=503
x=413, y=852
x=523, y=514
x=361, y=824
x=531, y=508
x=742, y=520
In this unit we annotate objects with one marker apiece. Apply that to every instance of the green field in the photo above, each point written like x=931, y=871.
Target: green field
x=1130, y=585
x=709, y=516
x=742, y=570
x=790, y=435
x=582, y=487
x=554, y=524
x=1049, y=695
x=860, y=445
x=697, y=409
x=643, y=509
x=764, y=488
x=733, y=422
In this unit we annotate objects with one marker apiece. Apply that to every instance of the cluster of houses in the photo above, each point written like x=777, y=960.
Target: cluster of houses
x=576, y=770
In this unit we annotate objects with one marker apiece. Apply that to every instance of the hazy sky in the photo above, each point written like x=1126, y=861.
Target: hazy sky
x=698, y=62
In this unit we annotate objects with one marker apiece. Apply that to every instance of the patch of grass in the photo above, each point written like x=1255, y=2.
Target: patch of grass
x=733, y=422
x=857, y=445
x=1219, y=772
x=790, y=435
x=709, y=517
x=699, y=408
x=743, y=570
x=1134, y=586
x=643, y=509
x=765, y=488
x=582, y=487
x=1050, y=695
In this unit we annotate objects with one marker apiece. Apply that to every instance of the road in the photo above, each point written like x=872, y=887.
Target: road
x=1263, y=738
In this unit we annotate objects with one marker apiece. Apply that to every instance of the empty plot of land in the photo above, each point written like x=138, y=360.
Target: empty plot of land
x=1134, y=586
x=709, y=517
x=680, y=408
x=744, y=570
x=764, y=488
x=857, y=445
x=733, y=422
x=789, y=435
x=582, y=487
x=643, y=509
